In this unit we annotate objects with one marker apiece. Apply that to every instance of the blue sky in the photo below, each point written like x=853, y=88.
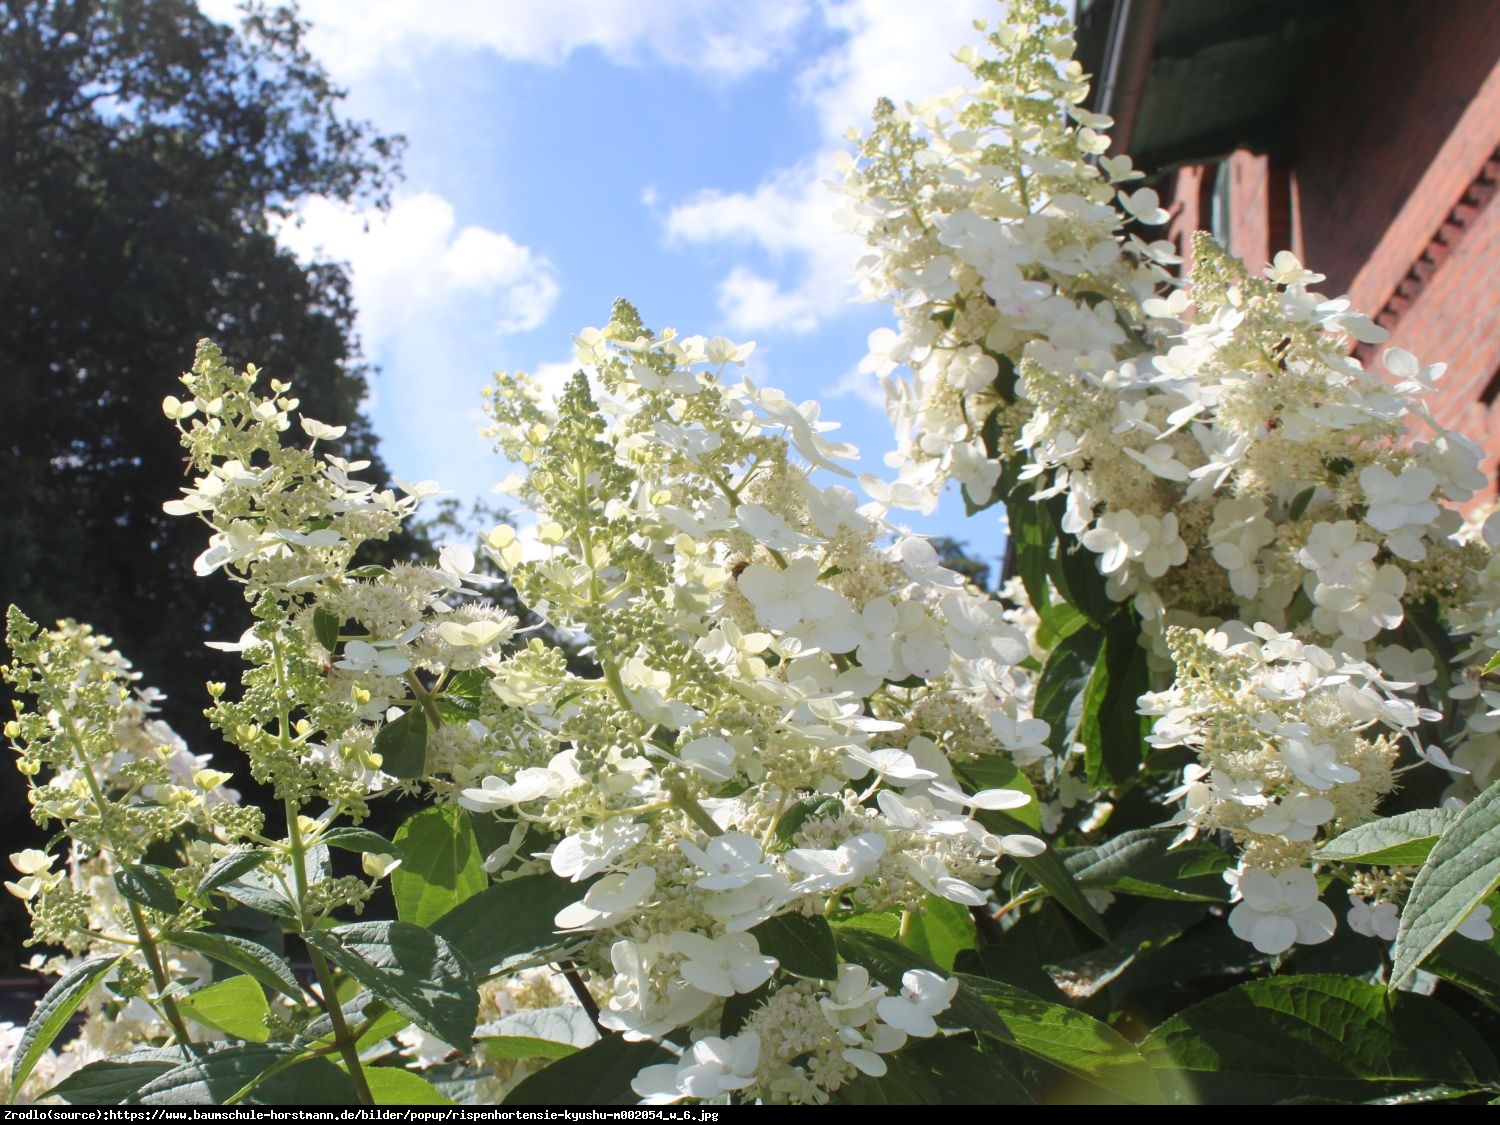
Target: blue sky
x=562, y=153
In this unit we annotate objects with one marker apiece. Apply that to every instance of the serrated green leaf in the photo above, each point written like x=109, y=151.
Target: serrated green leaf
x=326, y=627
x=149, y=887
x=526, y=1047
x=803, y=945
x=1111, y=730
x=1049, y=871
x=402, y=746
x=262, y=1074
x=598, y=1075
x=235, y=1005
x=413, y=970
x=939, y=930
x=441, y=865
x=1460, y=872
x=390, y=1085
x=249, y=957
x=1093, y=1053
x=357, y=840
x=1314, y=1036
x=1143, y=862
x=1064, y=677
x=111, y=1081
x=510, y=922
x=229, y=868
x=1405, y=839
x=53, y=1012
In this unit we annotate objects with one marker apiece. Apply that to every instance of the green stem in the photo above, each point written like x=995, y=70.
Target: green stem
x=346, y=1042
x=695, y=812
x=424, y=697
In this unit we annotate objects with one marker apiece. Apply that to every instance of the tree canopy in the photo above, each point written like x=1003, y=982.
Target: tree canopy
x=143, y=151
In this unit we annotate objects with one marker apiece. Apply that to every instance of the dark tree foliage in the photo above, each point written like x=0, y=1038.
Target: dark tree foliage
x=142, y=147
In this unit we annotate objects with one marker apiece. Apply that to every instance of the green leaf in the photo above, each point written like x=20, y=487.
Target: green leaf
x=803, y=945
x=1031, y=536
x=1111, y=730
x=1091, y=1052
x=371, y=571
x=390, y=1085
x=414, y=971
x=235, y=1005
x=441, y=865
x=1143, y=862
x=939, y=930
x=149, y=887
x=402, y=746
x=1048, y=870
x=1140, y=928
x=110, y=1081
x=886, y=925
x=1300, y=502
x=263, y=1074
x=526, y=1047
x=998, y=771
x=1064, y=676
x=357, y=840
x=1461, y=871
x=326, y=625
x=1074, y=571
x=1059, y=622
x=938, y=1072
x=1492, y=663
x=1403, y=840
x=228, y=869
x=53, y=1012
x=1314, y=1036
x=598, y=1075
x=510, y=922
x=249, y=957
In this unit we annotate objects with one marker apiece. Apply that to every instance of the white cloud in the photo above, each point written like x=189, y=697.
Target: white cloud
x=889, y=48
x=413, y=264
x=726, y=40
x=435, y=302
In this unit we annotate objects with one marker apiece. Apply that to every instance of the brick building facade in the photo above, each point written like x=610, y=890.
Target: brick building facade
x=1375, y=157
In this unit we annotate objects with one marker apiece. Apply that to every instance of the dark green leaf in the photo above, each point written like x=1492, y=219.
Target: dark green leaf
x=326, y=627
x=1064, y=677
x=803, y=945
x=1092, y=1052
x=149, y=887
x=1314, y=1036
x=598, y=1075
x=53, y=1012
x=939, y=930
x=939, y=1072
x=1461, y=871
x=1074, y=571
x=1143, y=862
x=228, y=869
x=262, y=1074
x=1300, y=502
x=414, y=971
x=1138, y=933
x=402, y=746
x=808, y=808
x=235, y=1005
x=1403, y=840
x=509, y=922
x=390, y=1085
x=1031, y=537
x=1111, y=730
x=357, y=840
x=1049, y=872
x=111, y=1081
x=441, y=865
x=249, y=957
